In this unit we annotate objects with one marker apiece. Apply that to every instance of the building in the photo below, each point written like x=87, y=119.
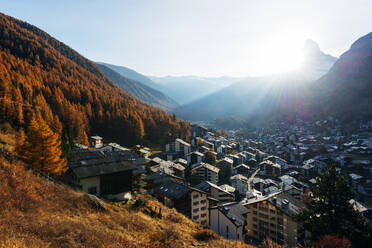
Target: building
x=191, y=202
x=95, y=173
x=177, y=149
x=270, y=169
x=216, y=192
x=273, y=216
x=241, y=169
x=195, y=158
x=96, y=141
x=229, y=220
x=240, y=183
x=205, y=172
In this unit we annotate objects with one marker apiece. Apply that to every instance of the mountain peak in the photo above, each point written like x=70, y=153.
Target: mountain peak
x=311, y=46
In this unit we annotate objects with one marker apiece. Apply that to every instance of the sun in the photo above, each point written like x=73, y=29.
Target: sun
x=279, y=54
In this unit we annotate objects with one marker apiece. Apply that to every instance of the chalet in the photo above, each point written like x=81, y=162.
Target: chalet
x=277, y=160
x=205, y=172
x=241, y=169
x=191, y=202
x=215, y=191
x=225, y=163
x=177, y=149
x=240, y=183
x=96, y=141
x=229, y=220
x=96, y=173
x=195, y=158
x=270, y=168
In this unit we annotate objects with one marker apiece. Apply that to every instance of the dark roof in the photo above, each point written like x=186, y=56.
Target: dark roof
x=172, y=190
x=85, y=171
x=287, y=204
x=235, y=212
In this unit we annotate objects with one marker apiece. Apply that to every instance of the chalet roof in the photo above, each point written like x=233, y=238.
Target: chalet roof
x=287, y=204
x=227, y=188
x=178, y=166
x=85, y=171
x=235, y=212
x=207, y=166
x=242, y=166
x=172, y=190
x=180, y=161
x=183, y=142
x=239, y=177
x=206, y=185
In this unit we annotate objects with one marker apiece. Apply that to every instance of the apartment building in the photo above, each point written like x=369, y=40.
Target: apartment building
x=273, y=216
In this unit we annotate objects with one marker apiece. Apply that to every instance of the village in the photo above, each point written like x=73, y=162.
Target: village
x=242, y=188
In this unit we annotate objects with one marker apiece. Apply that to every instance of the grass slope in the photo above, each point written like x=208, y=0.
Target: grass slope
x=36, y=212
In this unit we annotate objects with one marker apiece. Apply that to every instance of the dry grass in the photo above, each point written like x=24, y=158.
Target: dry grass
x=35, y=212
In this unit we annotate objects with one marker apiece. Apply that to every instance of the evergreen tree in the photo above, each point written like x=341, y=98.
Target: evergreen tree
x=329, y=212
x=41, y=149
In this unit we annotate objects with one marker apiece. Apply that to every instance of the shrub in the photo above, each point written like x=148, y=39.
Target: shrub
x=168, y=234
x=333, y=241
x=205, y=235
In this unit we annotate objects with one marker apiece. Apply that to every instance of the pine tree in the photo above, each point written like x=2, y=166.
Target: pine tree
x=329, y=212
x=41, y=149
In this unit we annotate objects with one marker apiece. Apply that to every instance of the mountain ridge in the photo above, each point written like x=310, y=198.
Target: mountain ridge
x=139, y=90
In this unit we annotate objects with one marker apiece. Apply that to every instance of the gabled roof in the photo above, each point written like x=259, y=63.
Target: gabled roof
x=86, y=171
x=235, y=212
x=207, y=166
x=172, y=190
x=183, y=142
x=206, y=185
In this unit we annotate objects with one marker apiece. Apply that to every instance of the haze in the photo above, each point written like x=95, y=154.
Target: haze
x=193, y=37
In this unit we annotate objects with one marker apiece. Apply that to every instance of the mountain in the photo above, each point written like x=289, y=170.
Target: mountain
x=40, y=74
x=139, y=90
x=259, y=97
x=131, y=74
x=185, y=89
x=347, y=88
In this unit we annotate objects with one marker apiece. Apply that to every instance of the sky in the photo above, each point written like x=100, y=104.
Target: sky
x=198, y=37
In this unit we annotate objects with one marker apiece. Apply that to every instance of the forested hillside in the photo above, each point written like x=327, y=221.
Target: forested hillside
x=39, y=73
x=139, y=90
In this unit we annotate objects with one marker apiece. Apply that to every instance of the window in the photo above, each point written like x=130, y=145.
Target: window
x=203, y=215
x=203, y=201
x=254, y=219
x=196, y=210
x=196, y=203
x=196, y=196
x=203, y=208
x=196, y=217
x=255, y=212
x=92, y=190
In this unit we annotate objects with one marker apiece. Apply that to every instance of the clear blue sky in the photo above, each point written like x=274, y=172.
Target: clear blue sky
x=197, y=37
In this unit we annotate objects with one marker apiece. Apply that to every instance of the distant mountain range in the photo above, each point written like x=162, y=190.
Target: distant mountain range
x=260, y=97
x=131, y=74
x=185, y=89
x=136, y=88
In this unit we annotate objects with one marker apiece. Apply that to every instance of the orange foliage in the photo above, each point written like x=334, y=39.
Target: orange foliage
x=41, y=149
x=333, y=241
x=39, y=73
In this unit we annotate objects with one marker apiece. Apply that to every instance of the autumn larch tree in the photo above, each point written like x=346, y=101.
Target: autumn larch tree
x=41, y=149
